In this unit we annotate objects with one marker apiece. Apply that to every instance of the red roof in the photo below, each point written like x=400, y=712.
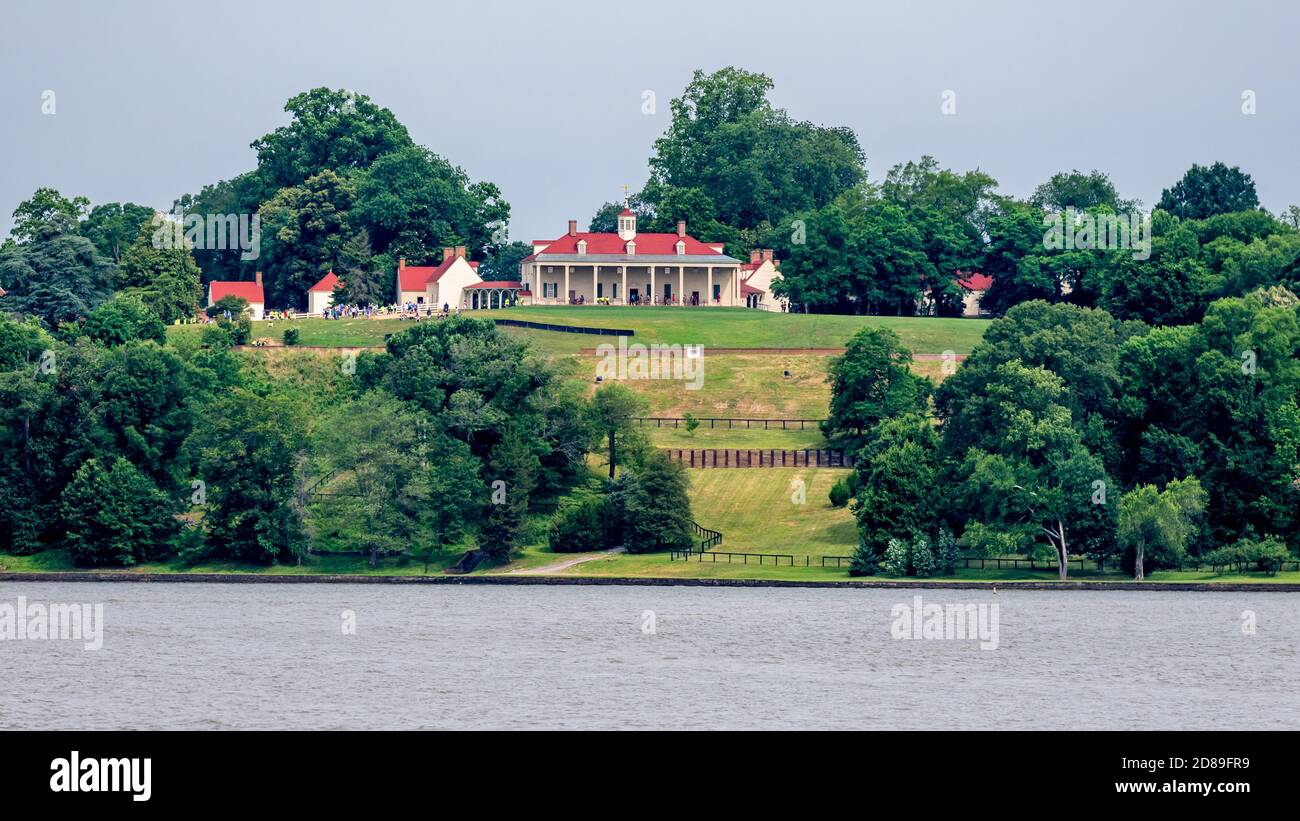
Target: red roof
x=665, y=244
x=326, y=283
x=626, y=212
x=250, y=292
x=974, y=282
x=746, y=289
x=414, y=278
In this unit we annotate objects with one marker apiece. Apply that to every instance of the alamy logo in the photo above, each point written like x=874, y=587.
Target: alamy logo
x=209, y=232
x=39, y=621
x=1082, y=231
x=77, y=774
x=953, y=622
x=656, y=361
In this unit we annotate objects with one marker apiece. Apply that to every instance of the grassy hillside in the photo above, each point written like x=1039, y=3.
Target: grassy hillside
x=711, y=327
x=742, y=328
x=756, y=510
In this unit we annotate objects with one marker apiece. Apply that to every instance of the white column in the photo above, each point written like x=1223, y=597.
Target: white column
x=708, y=288
x=681, y=284
x=651, y=296
x=595, y=280
x=624, y=293
x=566, y=286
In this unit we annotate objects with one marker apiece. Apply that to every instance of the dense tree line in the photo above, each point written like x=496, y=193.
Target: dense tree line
x=126, y=449
x=743, y=172
x=1070, y=432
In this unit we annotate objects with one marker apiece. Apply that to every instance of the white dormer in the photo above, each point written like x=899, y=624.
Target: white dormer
x=626, y=225
x=582, y=246
x=681, y=247
x=631, y=247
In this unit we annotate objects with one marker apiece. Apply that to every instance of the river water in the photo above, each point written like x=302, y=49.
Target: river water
x=279, y=656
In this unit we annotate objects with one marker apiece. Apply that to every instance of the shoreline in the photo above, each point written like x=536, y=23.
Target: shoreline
x=630, y=581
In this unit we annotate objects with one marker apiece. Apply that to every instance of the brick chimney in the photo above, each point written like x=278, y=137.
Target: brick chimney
x=573, y=228
x=460, y=251
x=401, y=263
x=448, y=252
x=755, y=257
x=681, y=228
x=767, y=254
x=257, y=277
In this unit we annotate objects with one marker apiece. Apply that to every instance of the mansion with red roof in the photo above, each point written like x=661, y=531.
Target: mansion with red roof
x=630, y=268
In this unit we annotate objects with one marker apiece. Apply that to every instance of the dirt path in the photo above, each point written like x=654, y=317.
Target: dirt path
x=558, y=567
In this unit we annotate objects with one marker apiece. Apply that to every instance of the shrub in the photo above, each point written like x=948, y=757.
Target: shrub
x=946, y=553
x=291, y=336
x=865, y=562
x=840, y=492
x=691, y=423
x=922, y=556
x=897, y=559
x=656, y=509
x=580, y=527
x=1267, y=555
x=240, y=330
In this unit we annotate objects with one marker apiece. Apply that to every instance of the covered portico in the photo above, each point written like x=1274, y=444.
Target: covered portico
x=495, y=294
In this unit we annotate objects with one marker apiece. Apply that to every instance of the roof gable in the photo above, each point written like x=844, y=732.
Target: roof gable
x=648, y=244
x=250, y=292
x=327, y=283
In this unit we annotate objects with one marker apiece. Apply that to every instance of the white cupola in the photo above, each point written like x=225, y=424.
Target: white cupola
x=626, y=225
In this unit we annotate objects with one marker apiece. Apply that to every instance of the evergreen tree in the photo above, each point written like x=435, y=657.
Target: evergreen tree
x=512, y=476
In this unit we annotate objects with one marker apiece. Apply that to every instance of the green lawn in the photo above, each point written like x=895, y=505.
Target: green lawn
x=757, y=510
x=730, y=385
x=743, y=328
x=710, y=327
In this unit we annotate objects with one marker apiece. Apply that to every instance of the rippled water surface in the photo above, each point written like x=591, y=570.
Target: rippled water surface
x=267, y=656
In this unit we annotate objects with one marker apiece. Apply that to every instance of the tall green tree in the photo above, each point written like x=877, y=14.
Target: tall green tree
x=1080, y=191
x=751, y=160
x=374, y=495
x=116, y=516
x=113, y=226
x=872, y=382
x=655, y=507
x=47, y=211
x=1155, y=525
x=330, y=130
x=1208, y=190
x=613, y=413
x=1030, y=468
x=512, y=474
x=164, y=279
x=56, y=274
x=899, y=487
x=247, y=452
x=305, y=228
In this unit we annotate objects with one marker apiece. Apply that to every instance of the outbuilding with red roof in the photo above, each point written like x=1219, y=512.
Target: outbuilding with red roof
x=250, y=292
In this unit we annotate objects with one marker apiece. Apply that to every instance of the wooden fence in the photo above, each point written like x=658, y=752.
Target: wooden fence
x=568, y=329
x=708, y=538
x=730, y=422
x=764, y=458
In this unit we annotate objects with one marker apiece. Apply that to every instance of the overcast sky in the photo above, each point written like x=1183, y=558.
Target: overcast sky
x=545, y=99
